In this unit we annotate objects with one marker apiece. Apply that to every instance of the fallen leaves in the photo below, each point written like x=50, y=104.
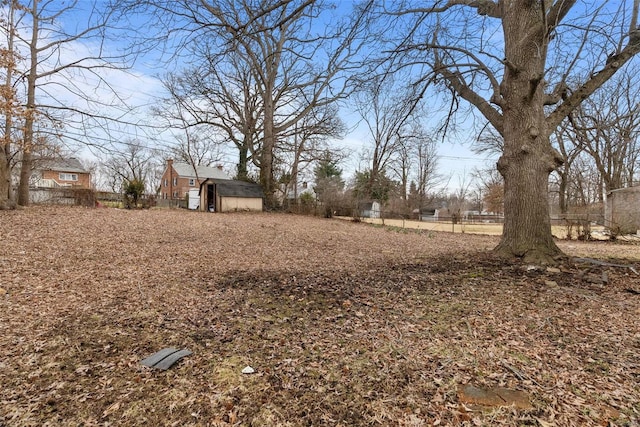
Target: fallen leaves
x=346, y=323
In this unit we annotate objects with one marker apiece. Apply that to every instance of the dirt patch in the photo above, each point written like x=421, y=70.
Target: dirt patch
x=345, y=324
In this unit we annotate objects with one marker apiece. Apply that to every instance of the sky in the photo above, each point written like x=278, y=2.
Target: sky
x=140, y=87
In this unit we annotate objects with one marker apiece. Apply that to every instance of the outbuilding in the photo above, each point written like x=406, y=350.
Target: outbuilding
x=370, y=209
x=622, y=210
x=223, y=195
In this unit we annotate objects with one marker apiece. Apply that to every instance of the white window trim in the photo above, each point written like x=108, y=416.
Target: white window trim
x=65, y=176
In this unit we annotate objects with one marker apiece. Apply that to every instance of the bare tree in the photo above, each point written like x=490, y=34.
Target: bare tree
x=54, y=71
x=295, y=66
x=490, y=188
x=387, y=109
x=195, y=148
x=135, y=163
x=606, y=127
x=194, y=144
x=513, y=61
x=565, y=141
x=426, y=171
x=306, y=143
x=416, y=161
x=10, y=104
x=220, y=96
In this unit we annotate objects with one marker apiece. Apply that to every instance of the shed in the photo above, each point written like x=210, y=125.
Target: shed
x=370, y=209
x=428, y=214
x=622, y=210
x=222, y=195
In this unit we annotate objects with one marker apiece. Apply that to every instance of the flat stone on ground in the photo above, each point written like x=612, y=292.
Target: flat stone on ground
x=495, y=396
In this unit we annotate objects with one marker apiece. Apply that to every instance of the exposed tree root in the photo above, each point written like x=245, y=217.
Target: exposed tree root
x=7, y=205
x=538, y=256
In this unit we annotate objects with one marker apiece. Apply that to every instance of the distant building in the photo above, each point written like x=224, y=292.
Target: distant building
x=293, y=194
x=621, y=212
x=370, y=209
x=179, y=177
x=60, y=173
x=60, y=181
x=224, y=195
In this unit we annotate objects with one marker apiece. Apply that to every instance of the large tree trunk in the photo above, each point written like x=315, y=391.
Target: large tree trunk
x=528, y=156
x=243, y=158
x=5, y=182
x=562, y=193
x=527, y=227
x=30, y=116
x=6, y=196
x=266, y=161
x=25, y=176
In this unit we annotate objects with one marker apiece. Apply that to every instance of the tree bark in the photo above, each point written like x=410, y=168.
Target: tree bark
x=528, y=156
x=243, y=158
x=515, y=107
x=562, y=193
x=26, y=165
x=5, y=181
x=6, y=192
x=268, y=144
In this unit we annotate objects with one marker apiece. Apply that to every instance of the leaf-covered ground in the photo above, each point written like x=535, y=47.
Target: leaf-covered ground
x=345, y=324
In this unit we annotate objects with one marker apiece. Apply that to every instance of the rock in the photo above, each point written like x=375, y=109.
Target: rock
x=494, y=397
x=3, y=291
x=248, y=370
x=594, y=279
x=553, y=270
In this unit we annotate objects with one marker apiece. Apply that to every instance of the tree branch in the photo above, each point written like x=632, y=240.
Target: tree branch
x=557, y=12
x=613, y=64
x=484, y=7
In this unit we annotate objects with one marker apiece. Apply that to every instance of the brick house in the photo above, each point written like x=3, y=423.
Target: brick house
x=56, y=173
x=178, y=178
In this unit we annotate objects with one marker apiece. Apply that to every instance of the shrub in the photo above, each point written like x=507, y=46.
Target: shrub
x=133, y=191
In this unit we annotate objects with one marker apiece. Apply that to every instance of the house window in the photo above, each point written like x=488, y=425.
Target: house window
x=175, y=194
x=175, y=181
x=68, y=176
x=192, y=182
x=166, y=182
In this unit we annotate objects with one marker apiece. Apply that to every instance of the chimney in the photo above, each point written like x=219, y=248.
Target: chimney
x=169, y=162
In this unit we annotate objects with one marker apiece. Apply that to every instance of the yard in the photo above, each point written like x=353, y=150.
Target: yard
x=344, y=324
x=492, y=229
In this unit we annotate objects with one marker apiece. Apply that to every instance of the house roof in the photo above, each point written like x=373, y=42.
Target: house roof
x=63, y=165
x=185, y=170
x=233, y=188
x=300, y=190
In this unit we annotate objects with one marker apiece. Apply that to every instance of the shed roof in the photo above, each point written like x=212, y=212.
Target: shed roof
x=233, y=188
x=70, y=164
x=185, y=170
